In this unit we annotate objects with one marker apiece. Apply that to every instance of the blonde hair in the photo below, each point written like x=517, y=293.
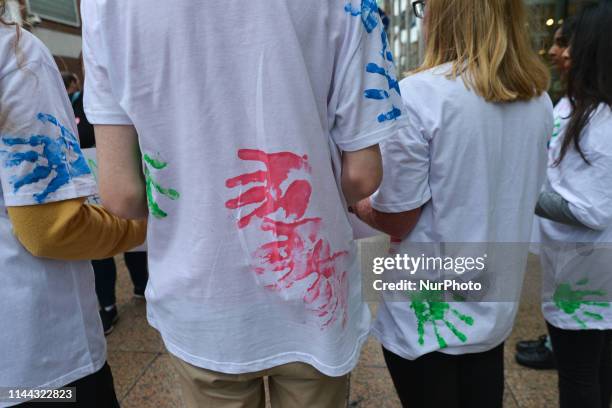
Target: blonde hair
x=486, y=41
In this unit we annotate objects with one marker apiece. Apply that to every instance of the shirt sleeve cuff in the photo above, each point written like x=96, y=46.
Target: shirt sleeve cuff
x=85, y=189
x=363, y=141
x=401, y=207
x=96, y=117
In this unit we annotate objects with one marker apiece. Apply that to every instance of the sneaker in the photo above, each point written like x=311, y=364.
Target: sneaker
x=525, y=345
x=109, y=318
x=139, y=293
x=540, y=356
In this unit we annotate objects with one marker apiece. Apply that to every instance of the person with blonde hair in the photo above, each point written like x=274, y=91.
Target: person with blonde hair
x=464, y=177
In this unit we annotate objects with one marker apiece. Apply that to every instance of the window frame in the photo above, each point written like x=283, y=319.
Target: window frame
x=55, y=19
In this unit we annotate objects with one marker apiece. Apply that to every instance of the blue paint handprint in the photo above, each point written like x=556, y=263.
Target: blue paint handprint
x=386, y=53
x=58, y=158
x=368, y=12
x=370, y=20
x=382, y=94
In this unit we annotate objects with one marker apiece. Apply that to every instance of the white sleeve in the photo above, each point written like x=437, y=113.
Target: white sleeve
x=594, y=188
x=101, y=105
x=40, y=157
x=365, y=100
x=406, y=163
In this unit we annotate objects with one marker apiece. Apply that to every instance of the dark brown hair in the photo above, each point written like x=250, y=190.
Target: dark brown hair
x=589, y=80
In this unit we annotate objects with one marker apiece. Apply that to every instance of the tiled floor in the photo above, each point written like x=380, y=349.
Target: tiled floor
x=144, y=377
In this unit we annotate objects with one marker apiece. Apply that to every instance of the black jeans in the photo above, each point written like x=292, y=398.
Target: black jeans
x=438, y=380
x=94, y=391
x=105, y=272
x=584, y=364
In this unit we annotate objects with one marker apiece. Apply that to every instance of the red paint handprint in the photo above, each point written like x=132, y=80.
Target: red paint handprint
x=299, y=263
x=301, y=256
x=278, y=168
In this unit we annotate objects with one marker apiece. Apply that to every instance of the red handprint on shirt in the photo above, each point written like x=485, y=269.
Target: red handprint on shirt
x=299, y=259
x=301, y=256
x=278, y=166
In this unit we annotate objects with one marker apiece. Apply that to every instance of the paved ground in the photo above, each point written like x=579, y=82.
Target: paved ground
x=144, y=377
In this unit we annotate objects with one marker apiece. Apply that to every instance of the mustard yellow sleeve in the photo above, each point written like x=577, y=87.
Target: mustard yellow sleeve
x=73, y=230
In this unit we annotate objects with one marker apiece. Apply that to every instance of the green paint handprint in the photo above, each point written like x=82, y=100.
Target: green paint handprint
x=430, y=308
x=154, y=208
x=93, y=166
x=556, y=127
x=572, y=301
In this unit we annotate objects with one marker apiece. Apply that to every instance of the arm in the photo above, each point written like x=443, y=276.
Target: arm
x=72, y=230
x=397, y=225
x=361, y=173
x=121, y=180
x=555, y=208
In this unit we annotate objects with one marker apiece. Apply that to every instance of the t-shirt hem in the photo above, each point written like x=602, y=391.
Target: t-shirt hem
x=70, y=193
x=64, y=380
x=453, y=351
x=369, y=139
x=107, y=118
x=268, y=362
x=401, y=207
x=563, y=325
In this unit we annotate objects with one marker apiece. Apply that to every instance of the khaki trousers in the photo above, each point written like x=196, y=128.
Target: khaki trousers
x=294, y=385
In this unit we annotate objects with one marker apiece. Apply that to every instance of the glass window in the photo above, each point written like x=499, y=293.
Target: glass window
x=61, y=11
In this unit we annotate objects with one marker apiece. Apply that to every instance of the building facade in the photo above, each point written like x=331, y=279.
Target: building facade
x=57, y=23
x=406, y=37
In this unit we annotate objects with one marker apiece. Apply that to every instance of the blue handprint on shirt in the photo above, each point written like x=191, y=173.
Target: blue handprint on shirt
x=368, y=12
x=386, y=53
x=61, y=159
x=382, y=94
x=369, y=18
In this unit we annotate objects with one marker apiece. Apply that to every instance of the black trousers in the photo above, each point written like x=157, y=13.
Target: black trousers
x=584, y=364
x=105, y=272
x=94, y=391
x=439, y=380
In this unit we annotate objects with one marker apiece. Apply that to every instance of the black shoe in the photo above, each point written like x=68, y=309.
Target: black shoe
x=525, y=345
x=109, y=318
x=539, y=357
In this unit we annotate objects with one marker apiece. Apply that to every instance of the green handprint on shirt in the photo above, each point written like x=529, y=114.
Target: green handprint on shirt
x=572, y=302
x=152, y=185
x=430, y=308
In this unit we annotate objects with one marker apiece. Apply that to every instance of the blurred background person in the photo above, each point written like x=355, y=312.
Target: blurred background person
x=538, y=353
x=561, y=40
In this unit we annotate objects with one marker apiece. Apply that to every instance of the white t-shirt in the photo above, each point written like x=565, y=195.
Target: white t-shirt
x=51, y=331
x=242, y=112
x=577, y=279
x=477, y=168
x=561, y=114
